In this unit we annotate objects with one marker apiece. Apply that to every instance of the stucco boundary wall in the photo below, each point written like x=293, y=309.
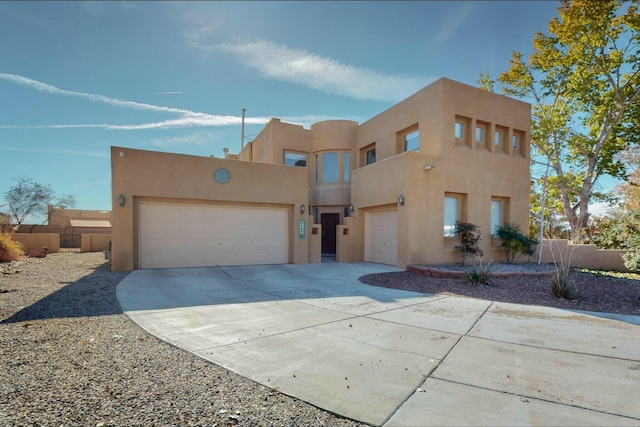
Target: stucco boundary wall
x=95, y=242
x=31, y=241
x=582, y=256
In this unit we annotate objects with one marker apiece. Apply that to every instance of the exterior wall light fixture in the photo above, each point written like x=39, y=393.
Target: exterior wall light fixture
x=121, y=200
x=302, y=208
x=428, y=167
x=351, y=208
x=401, y=200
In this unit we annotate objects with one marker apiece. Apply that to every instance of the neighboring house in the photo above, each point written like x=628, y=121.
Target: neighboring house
x=388, y=190
x=76, y=221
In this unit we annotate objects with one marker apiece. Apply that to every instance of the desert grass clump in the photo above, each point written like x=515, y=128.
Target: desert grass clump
x=563, y=283
x=479, y=274
x=10, y=250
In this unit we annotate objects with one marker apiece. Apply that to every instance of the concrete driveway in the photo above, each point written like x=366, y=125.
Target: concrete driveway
x=389, y=357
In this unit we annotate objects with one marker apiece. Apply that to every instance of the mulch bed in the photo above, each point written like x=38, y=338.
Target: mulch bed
x=594, y=292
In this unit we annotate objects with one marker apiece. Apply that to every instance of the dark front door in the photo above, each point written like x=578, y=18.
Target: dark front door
x=329, y=222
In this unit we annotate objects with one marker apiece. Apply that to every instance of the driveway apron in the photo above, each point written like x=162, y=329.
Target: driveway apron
x=391, y=357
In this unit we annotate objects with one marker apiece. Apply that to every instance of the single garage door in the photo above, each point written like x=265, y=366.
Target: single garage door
x=174, y=235
x=381, y=237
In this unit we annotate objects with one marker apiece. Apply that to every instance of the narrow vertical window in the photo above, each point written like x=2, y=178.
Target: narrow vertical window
x=498, y=138
x=451, y=216
x=515, y=142
x=370, y=156
x=315, y=170
x=347, y=166
x=459, y=130
x=496, y=216
x=479, y=134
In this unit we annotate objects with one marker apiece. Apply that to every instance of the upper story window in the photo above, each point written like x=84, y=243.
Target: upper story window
x=370, y=156
x=295, y=159
x=498, y=138
x=515, y=142
x=459, y=130
x=330, y=167
x=412, y=141
x=346, y=165
x=479, y=134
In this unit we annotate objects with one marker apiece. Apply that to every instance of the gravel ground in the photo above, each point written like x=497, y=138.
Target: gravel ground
x=595, y=292
x=70, y=357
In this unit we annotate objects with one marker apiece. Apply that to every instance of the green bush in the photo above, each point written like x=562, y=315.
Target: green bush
x=10, y=250
x=514, y=242
x=469, y=236
x=632, y=260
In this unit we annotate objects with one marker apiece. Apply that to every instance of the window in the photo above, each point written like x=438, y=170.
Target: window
x=451, y=215
x=347, y=166
x=496, y=216
x=412, y=141
x=515, y=140
x=346, y=212
x=330, y=167
x=479, y=134
x=498, y=138
x=459, y=130
x=315, y=170
x=295, y=159
x=370, y=156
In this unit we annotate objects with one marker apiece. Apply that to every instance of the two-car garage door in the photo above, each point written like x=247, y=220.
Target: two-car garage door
x=176, y=235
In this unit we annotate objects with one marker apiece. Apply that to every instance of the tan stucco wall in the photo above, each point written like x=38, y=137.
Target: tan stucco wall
x=173, y=178
x=562, y=251
x=94, y=242
x=38, y=241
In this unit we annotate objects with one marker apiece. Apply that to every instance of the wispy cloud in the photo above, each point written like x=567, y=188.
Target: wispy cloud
x=328, y=75
x=450, y=27
x=186, y=117
x=83, y=153
x=167, y=92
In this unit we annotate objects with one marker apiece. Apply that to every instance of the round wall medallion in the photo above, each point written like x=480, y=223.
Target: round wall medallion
x=222, y=176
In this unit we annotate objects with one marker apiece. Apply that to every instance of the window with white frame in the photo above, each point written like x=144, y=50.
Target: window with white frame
x=459, y=130
x=497, y=216
x=451, y=215
x=412, y=141
x=515, y=142
x=295, y=159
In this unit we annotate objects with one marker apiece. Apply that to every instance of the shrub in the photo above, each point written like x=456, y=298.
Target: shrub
x=469, y=236
x=514, y=242
x=479, y=274
x=632, y=260
x=10, y=250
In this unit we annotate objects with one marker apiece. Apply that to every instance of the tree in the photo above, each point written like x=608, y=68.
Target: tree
x=584, y=79
x=28, y=198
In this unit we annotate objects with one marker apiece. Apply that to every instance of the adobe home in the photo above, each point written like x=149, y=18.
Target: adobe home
x=387, y=191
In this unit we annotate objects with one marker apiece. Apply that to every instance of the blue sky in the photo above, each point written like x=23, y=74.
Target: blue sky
x=79, y=77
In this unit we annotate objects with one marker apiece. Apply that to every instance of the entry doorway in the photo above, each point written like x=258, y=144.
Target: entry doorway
x=329, y=223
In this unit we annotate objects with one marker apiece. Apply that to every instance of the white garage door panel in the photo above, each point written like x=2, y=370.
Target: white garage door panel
x=381, y=235
x=193, y=236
